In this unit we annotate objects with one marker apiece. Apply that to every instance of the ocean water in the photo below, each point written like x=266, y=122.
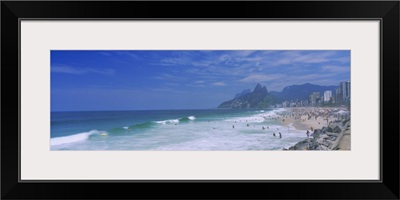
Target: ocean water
x=214, y=129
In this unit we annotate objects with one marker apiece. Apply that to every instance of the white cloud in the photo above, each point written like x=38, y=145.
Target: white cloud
x=243, y=53
x=315, y=57
x=67, y=70
x=81, y=70
x=262, y=77
x=196, y=85
x=251, y=59
x=219, y=84
x=168, y=90
x=171, y=84
x=105, y=53
x=130, y=54
x=290, y=57
x=224, y=58
x=344, y=59
x=177, y=60
x=257, y=66
x=337, y=69
x=165, y=76
x=311, y=76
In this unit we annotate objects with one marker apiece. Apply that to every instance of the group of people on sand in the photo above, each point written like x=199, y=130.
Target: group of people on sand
x=321, y=116
x=297, y=114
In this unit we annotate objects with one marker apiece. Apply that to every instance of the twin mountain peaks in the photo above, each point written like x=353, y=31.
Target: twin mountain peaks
x=261, y=98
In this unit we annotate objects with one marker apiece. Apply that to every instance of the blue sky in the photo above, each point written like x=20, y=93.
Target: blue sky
x=148, y=79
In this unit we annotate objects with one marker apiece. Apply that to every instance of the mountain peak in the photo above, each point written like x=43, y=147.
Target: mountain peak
x=265, y=88
x=259, y=98
x=258, y=87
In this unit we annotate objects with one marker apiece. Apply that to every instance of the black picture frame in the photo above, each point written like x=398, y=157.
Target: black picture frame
x=385, y=11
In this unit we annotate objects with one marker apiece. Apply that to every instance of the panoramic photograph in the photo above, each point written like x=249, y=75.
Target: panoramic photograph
x=200, y=100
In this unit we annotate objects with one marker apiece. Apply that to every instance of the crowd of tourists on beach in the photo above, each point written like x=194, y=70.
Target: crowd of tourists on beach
x=327, y=115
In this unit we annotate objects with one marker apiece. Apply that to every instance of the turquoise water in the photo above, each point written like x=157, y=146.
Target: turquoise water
x=214, y=129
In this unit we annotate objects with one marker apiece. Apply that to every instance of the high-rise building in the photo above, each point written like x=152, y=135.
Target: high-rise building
x=285, y=104
x=327, y=96
x=338, y=95
x=314, y=98
x=345, y=88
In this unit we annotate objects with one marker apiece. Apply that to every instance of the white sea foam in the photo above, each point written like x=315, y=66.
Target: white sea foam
x=170, y=121
x=224, y=137
x=220, y=133
x=276, y=111
x=258, y=118
x=125, y=127
x=192, y=117
x=72, y=138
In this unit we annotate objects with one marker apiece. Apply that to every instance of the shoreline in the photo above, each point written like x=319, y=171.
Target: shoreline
x=323, y=136
x=307, y=118
x=329, y=128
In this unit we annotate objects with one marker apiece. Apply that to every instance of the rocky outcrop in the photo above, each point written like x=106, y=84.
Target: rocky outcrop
x=337, y=129
x=326, y=138
x=259, y=98
x=307, y=144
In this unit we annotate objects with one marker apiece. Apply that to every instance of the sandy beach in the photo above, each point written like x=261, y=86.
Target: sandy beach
x=309, y=118
x=320, y=122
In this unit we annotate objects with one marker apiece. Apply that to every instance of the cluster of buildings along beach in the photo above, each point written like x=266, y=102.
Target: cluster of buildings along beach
x=340, y=96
